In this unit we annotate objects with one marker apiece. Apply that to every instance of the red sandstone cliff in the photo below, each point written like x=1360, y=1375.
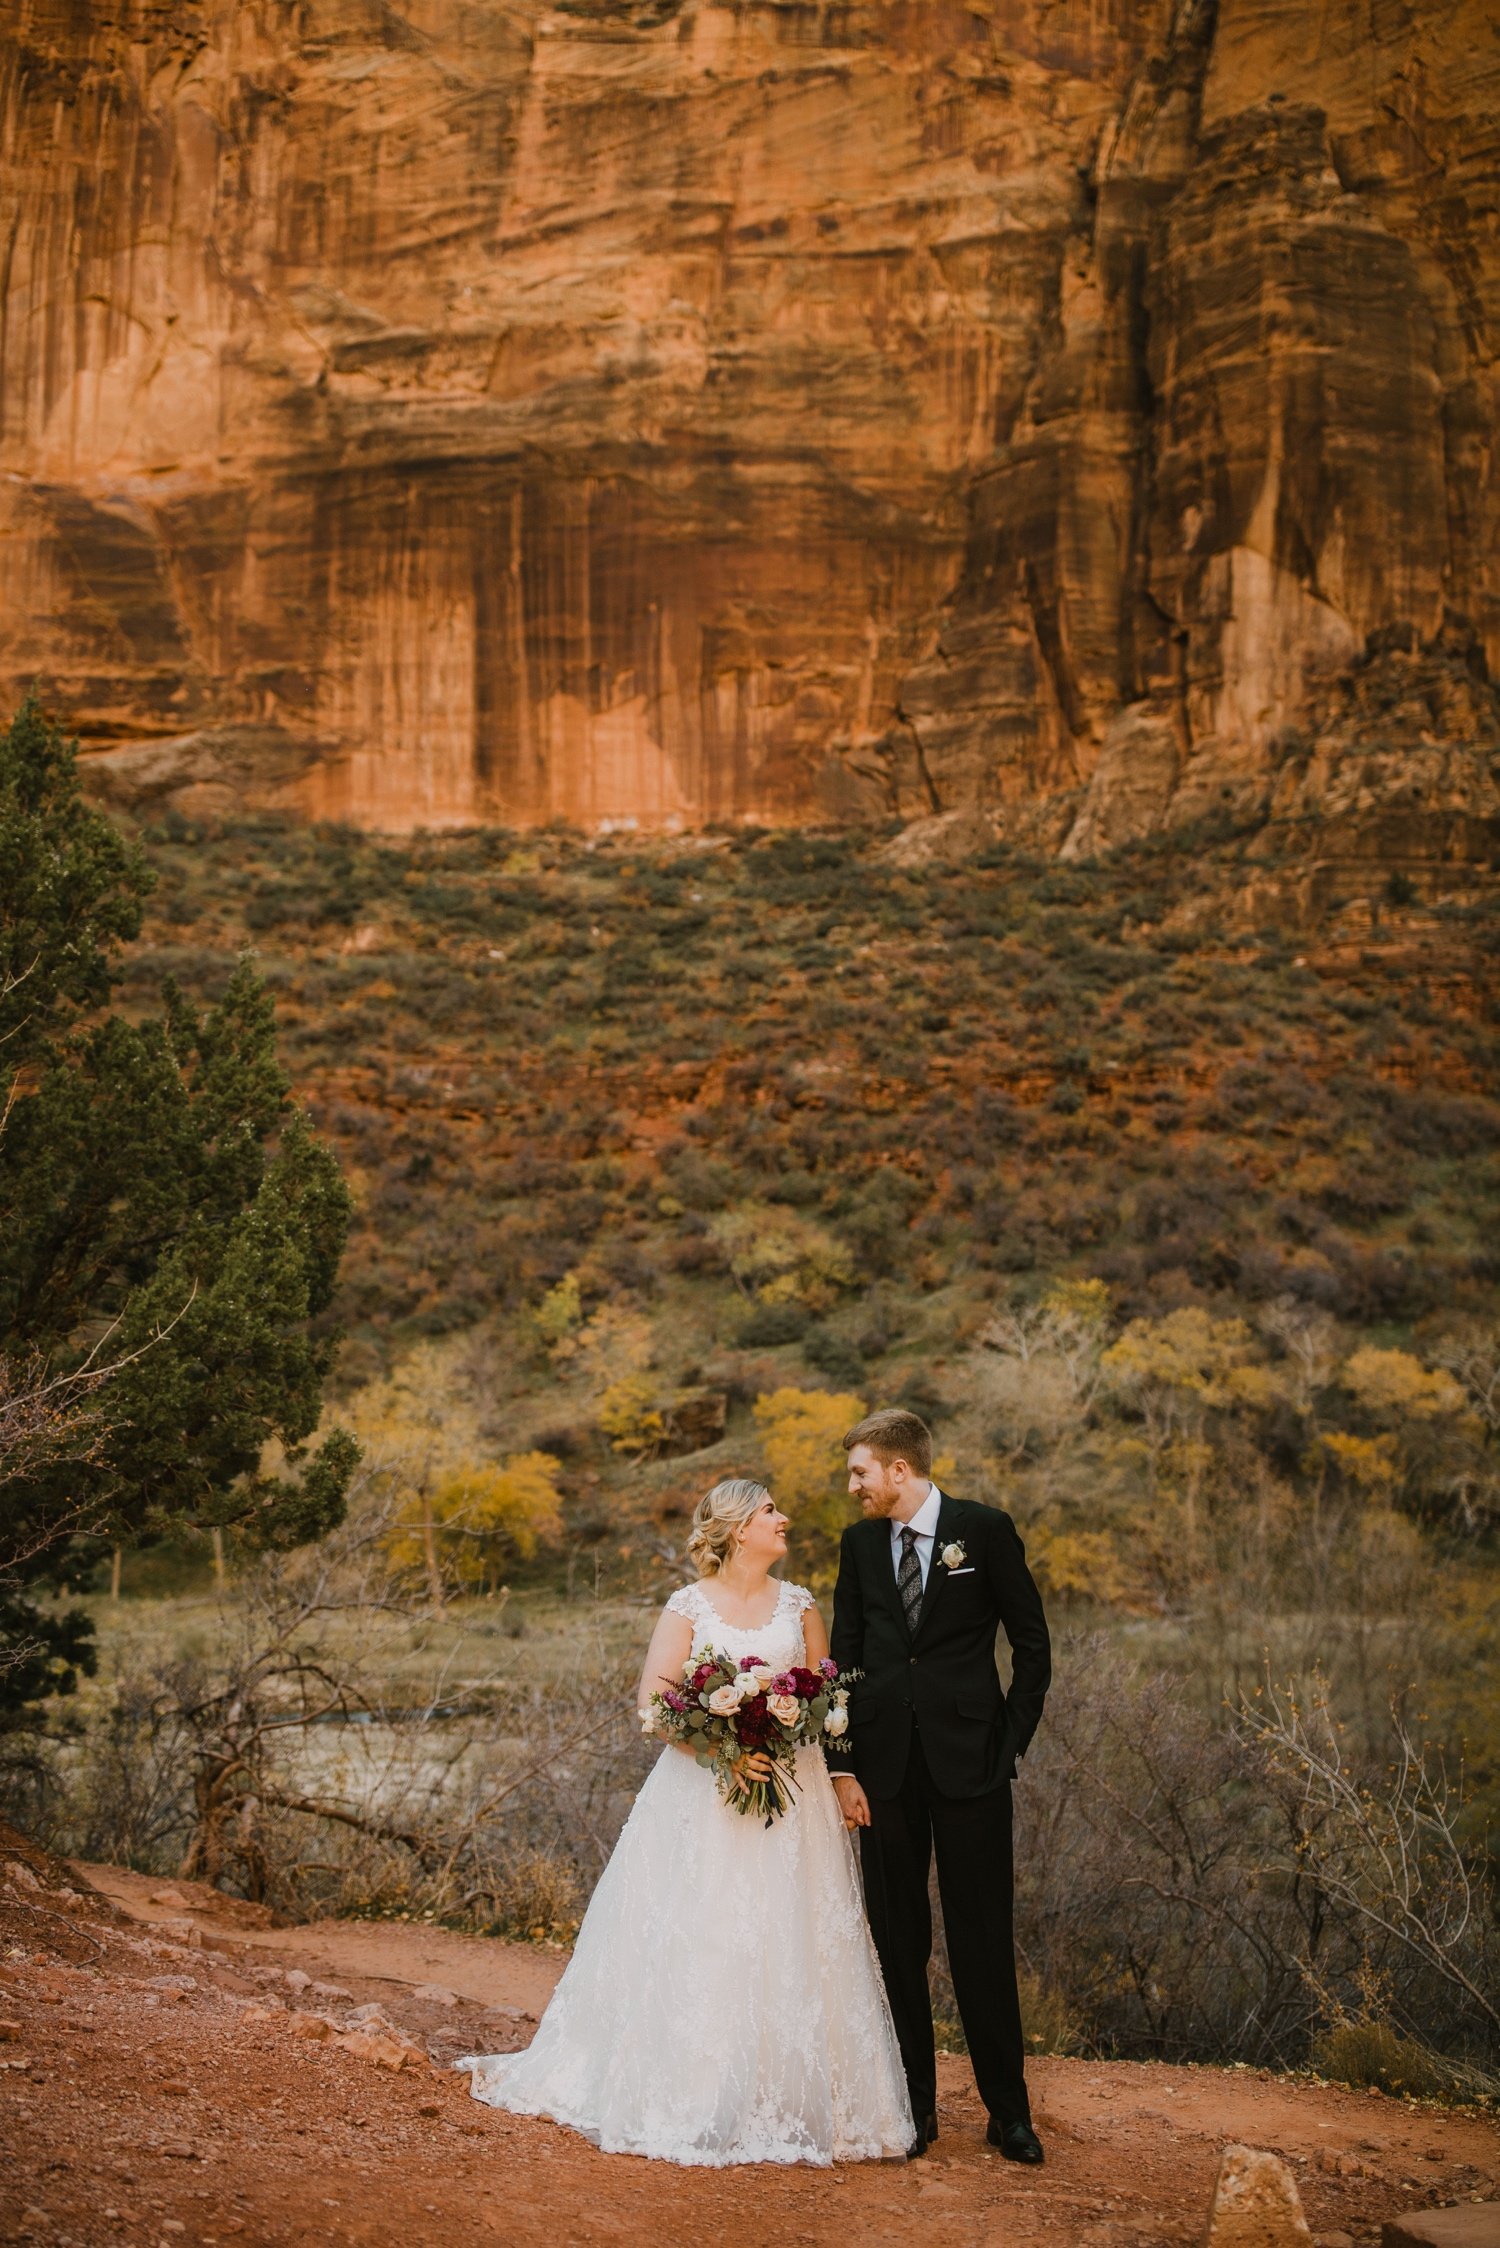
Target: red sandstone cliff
x=457, y=410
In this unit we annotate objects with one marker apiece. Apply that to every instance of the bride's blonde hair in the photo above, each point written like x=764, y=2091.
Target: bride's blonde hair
x=717, y=1516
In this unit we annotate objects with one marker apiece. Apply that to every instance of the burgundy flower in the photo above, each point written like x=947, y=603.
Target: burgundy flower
x=806, y=1684
x=752, y=1662
x=754, y=1723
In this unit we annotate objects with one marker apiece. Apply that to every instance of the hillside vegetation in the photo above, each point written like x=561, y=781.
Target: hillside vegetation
x=670, y=1157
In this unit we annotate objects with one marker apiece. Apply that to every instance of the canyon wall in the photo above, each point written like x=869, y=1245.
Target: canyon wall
x=664, y=411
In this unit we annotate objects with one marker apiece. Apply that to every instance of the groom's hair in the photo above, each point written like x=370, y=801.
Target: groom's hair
x=894, y=1435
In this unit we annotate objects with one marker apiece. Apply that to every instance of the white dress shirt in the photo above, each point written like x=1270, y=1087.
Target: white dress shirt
x=924, y=1522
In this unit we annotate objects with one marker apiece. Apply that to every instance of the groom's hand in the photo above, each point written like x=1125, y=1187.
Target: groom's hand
x=853, y=1801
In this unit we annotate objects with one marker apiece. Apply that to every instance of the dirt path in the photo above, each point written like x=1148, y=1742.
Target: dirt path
x=165, y=2083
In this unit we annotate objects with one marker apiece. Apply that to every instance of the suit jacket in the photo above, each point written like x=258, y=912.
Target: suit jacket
x=942, y=1677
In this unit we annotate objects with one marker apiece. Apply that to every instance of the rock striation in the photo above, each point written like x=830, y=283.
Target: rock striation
x=660, y=411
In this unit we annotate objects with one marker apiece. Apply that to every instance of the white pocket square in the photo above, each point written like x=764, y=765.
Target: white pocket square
x=963, y=1572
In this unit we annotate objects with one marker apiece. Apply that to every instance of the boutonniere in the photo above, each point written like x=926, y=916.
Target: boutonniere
x=953, y=1556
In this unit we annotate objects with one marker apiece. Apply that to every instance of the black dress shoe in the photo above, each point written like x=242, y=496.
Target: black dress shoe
x=926, y=2133
x=1016, y=2141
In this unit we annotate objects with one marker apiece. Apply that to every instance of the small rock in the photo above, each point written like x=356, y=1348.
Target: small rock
x=309, y=2025
x=430, y=2107
x=259, y=2014
x=1255, y=2203
x=330, y=1991
x=177, y=2089
x=176, y=1986
x=9, y=2033
x=384, y=2052
x=296, y=1980
x=181, y=2150
x=436, y=1994
x=168, y=1897
x=173, y=2224
x=371, y=2016
x=1475, y=2224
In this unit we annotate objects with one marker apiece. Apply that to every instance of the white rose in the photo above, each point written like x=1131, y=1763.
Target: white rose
x=724, y=1700
x=785, y=1708
x=761, y=1676
x=648, y=1721
x=953, y=1556
x=837, y=1720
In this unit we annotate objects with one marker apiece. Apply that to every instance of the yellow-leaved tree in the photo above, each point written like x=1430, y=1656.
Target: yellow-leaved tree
x=780, y=1256
x=1079, y=1565
x=1175, y=1374
x=455, y=1512
x=630, y=1415
x=1423, y=1430
x=801, y=1432
x=479, y=1516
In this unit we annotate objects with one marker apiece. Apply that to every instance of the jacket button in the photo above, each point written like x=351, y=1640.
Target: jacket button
x=911, y=1658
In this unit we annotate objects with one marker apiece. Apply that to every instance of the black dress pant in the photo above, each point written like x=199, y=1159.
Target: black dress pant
x=975, y=1882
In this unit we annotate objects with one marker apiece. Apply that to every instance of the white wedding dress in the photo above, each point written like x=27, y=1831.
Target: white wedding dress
x=723, y=2003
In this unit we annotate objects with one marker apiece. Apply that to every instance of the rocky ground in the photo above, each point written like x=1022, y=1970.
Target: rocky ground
x=175, y=2070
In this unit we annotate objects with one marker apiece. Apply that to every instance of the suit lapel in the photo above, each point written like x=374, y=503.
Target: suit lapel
x=937, y=1574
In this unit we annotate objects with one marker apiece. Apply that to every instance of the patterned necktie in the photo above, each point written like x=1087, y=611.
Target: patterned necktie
x=909, y=1578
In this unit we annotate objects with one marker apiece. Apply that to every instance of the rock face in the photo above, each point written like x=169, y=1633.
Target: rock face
x=659, y=411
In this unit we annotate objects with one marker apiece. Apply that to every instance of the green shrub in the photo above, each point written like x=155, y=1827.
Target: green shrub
x=1374, y=2053
x=833, y=1356
x=769, y=1325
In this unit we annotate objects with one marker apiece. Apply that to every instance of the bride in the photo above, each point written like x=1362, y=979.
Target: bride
x=723, y=2002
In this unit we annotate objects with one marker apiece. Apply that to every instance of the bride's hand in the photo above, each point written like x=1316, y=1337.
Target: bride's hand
x=752, y=1766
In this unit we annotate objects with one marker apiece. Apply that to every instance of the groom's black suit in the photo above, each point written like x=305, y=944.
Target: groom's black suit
x=934, y=1741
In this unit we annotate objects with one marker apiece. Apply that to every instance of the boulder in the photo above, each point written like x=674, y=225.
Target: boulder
x=1130, y=787
x=1255, y=2204
x=1475, y=2224
x=944, y=840
x=692, y=1422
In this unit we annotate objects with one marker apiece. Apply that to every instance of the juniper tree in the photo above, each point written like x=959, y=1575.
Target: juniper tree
x=164, y=1208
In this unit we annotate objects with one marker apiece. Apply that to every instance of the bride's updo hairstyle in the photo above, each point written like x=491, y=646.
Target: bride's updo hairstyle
x=716, y=1518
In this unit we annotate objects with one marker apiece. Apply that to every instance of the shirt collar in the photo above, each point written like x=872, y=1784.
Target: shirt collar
x=925, y=1520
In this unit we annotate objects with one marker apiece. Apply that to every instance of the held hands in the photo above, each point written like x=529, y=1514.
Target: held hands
x=852, y=1801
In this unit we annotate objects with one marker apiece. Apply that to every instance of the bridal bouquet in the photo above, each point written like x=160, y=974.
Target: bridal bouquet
x=724, y=1710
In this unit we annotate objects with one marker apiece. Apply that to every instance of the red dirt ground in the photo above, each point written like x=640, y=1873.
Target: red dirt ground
x=156, y=2088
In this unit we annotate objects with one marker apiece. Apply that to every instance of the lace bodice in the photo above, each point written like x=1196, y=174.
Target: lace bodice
x=780, y=1640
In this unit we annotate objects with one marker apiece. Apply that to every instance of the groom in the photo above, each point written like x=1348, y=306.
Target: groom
x=925, y=1583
